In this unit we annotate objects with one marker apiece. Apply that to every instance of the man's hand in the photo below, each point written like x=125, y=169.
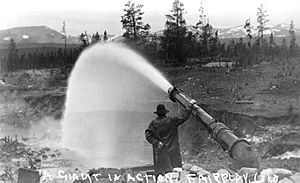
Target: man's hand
x=160, y=145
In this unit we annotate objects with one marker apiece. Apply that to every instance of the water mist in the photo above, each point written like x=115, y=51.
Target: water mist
x=112, y=92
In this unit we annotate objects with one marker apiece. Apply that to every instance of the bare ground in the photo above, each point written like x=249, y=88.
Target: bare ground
x=270, y=122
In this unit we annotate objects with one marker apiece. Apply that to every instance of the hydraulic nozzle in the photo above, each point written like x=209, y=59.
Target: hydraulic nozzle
x=239, y=149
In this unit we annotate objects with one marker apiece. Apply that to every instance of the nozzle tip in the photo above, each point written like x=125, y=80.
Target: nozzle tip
x=172, y=92
x=170, y=89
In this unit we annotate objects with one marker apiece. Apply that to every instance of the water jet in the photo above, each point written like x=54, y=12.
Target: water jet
x=110, y=95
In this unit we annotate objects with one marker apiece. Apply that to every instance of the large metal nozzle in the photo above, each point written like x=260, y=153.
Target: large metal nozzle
x=172, y=92
x=239, y=149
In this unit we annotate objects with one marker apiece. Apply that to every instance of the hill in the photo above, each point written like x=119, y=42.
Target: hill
x=280, y=30
x=39, y=36
x=34, y=34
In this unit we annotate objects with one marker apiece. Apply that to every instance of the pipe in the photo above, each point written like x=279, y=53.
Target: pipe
x=239, y=149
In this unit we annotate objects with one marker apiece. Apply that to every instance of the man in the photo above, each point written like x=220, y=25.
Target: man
x=162, y=133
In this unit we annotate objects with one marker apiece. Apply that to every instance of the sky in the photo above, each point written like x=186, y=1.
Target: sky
x=100, y=15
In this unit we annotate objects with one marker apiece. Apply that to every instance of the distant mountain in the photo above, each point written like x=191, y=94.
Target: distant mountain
x=280, y=30
x=34, y=34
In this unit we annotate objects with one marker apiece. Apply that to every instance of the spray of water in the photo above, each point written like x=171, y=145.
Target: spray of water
x=112, y=92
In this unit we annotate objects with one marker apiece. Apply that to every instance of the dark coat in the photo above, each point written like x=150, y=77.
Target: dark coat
x=165, y=129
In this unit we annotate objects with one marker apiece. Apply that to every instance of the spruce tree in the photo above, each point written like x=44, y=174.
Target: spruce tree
x=214, y=45
x=63, y=31
x=205, y=33
x=272, y=46
x=105, y=38
x=271, y=41
x=248, y=29
x=84, y=40
x=262, y=20
x=205, y=37
x=203, y=19
x=95, y=38
x=284, y=48
x=174, y=37
x=132, y=21
x=12, y=55
x=293, y=45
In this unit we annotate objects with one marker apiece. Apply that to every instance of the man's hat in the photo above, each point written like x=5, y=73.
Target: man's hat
x=161, y=109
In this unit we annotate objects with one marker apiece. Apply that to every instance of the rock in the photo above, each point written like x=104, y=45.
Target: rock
x=30, y=153
x=44, y=157
x=296, y=177
x=265, y=174
x=199, y=171
x=279, y=173
x=203, y=173
x=2, y=172
x=20, y=151
x=248, y=172
x=45, y=149
x=162, y=179
x=268, y=171
x=223, y=175
x=223, y=171
x=282, y=173
x=236, y=178
x=6, y=154
x=42, y=152
x=285, y=180
x=187, y=166
x=35, y=152
x=217, y=178
x=214, y=180
x=37, y=159
x=195, y=169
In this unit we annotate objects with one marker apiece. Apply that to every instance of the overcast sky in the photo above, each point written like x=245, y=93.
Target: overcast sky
x=100, y=15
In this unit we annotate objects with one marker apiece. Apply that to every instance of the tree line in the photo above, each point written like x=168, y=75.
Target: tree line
x=176, y=44
x=56, y=58
x=37, y=59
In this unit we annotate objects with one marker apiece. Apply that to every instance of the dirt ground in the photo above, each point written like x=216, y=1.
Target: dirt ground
x=268, y=116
